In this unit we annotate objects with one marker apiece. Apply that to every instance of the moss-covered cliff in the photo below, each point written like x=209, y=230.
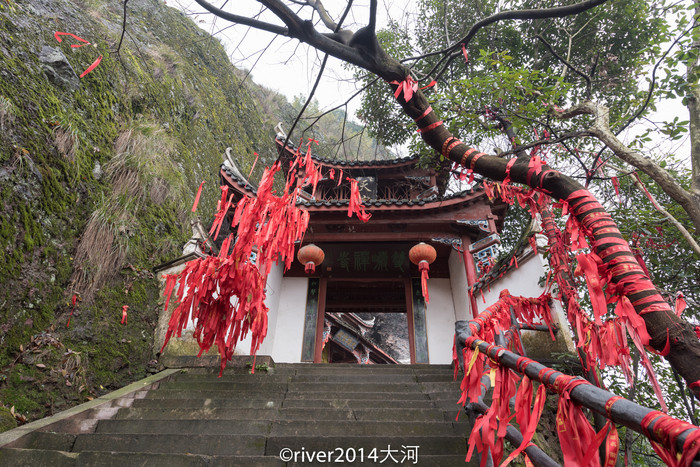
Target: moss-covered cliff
x=97, y=177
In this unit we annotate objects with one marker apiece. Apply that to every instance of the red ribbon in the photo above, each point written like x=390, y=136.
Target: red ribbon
x=91, y=67
x=196, y=198
x=255, y=162
x=680, y=303
x=124, y=308
x=73, y=303
x=94, y=64
x=58, y=35
x=616, y=186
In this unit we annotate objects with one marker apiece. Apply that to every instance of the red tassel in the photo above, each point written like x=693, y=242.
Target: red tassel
x=196, y=198
x=424, y=267
x=124, y=308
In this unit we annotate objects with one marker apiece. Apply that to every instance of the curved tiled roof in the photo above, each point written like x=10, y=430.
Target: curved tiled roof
x=396, y=202
x=243, y=183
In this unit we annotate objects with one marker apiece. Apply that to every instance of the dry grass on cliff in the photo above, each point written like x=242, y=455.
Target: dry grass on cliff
x=141, y=173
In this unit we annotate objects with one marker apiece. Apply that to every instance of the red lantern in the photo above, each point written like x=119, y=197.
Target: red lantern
x=310, y=256
x=423, y=255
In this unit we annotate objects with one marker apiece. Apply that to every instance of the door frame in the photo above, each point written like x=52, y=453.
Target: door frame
x=323, y=286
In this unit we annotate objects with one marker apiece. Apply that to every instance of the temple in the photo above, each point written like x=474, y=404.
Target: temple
x=363, y=302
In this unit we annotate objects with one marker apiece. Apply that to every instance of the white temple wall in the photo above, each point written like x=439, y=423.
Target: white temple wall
x=440, y=321
x=459, y=285
x=519, y=281
x=272, y=298
x=286, y=340
x=523, y=281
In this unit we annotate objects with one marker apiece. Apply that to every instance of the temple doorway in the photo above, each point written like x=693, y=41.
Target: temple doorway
x=367, y=321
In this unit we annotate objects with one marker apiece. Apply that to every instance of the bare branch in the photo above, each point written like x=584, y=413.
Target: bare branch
x=121, y=38
x=344, y=104
x=589, y=85
x=273, y=28
x=684, y=232
x=453, y=51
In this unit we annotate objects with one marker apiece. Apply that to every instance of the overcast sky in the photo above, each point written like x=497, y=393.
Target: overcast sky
x=286, y=65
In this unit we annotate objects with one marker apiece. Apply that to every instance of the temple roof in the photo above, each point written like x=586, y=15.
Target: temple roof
x=236, y=180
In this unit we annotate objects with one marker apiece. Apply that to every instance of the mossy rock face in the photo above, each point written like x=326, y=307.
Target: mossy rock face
x=7, y=420
x=174, y=93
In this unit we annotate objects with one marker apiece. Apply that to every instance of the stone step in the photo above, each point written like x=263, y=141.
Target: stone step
x=212, y=445
x=201, y=427
x=45, y=441
x=303, y=378
x=130, y=459
x=37, y=457
x=187, y=377
x=436, y=377
x=371, y=428
x=444, y=386
x=445, y=395
x=406, y=396
x=233, y=403
x=306, y=387
x=231, y=372
x=228, y=395
x=281, y=427
x=387, y=388
x=213, y=394
x=308, y=414
x=354, y=366
x=260, y=387
x=359, y=403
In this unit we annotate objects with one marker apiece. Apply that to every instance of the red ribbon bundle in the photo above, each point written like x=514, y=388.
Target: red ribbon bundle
x=225, y=295
x=355, y=206
x=489, y=429
x=668, y=429
x=578, y=440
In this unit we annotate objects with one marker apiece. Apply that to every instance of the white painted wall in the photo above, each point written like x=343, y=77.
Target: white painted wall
x=289, y=327
x=459, y=285
x=272, y=299
x=523, y=281
x=440, y=321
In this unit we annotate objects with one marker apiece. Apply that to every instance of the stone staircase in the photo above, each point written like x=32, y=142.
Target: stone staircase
x=291, y=414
